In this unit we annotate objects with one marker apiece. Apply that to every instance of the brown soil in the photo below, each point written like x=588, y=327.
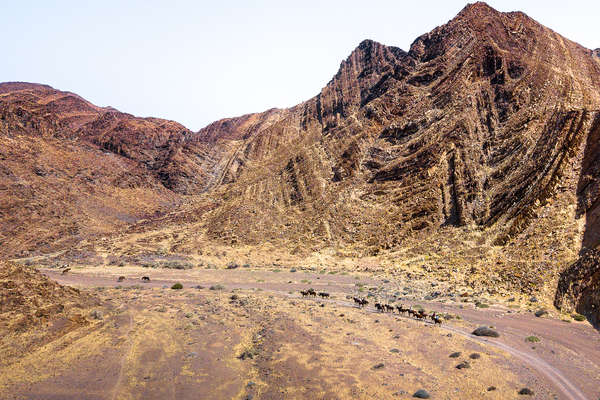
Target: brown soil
x=155, y=342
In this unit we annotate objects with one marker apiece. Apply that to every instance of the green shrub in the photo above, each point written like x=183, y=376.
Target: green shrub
x=177, y=286
x=578, y=317
x=532, y=339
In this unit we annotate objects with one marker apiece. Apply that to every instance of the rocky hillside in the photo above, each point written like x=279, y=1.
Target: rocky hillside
x=579, y=287
x=483, y=123
x=35, y=311
x=478, y=144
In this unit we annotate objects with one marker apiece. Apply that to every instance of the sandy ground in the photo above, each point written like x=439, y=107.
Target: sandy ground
x=157, y=343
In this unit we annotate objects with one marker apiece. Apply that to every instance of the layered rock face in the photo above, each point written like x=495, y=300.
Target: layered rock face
x=484, y=133
x=579, y=287
x=482, y=122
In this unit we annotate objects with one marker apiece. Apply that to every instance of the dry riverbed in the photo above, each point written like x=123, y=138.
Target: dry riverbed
x=248, y=334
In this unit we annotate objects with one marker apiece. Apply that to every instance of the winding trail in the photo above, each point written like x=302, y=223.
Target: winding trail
x=554, y=375
x=564, y=385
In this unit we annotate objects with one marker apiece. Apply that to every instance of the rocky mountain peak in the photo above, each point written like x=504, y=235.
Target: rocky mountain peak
x=477, y=9
x=369, y=56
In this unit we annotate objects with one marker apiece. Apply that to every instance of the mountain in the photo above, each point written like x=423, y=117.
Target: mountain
x=476, y=148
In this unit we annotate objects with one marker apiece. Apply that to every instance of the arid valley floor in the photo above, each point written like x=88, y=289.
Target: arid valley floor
x=247, y=333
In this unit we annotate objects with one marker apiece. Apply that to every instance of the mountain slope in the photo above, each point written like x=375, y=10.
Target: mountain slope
x=478, y=145
x=479, y=122
x=58, y=183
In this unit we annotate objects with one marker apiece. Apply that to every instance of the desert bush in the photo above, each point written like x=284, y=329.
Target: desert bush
x=177, y=286
x=217, y=287
x=249, y=353
x=578, y=317
x=177, y=265
x=532, y=339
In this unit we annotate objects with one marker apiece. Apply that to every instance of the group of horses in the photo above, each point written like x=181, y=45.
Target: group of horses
x=362, y=302
x=419, y=314
x=312, y=292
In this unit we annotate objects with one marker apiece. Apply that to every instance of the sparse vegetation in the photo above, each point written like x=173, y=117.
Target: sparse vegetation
x=578, y=317
x=532, y=339
x=248, y=354
x=177, y=286
x=217, y=287
x=526, y=392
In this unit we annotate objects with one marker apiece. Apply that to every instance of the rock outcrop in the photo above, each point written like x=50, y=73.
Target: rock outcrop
x=29, y=299
x=579, y=287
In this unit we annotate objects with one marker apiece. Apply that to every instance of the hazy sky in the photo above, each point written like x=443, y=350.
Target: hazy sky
x=199, y=61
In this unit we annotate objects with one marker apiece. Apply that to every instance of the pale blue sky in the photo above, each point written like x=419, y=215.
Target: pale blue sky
x=199, y=61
